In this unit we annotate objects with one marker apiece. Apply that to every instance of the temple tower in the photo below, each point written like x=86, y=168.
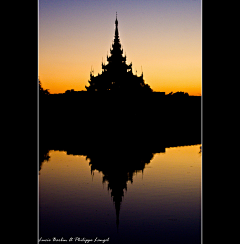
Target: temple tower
x=117, y=75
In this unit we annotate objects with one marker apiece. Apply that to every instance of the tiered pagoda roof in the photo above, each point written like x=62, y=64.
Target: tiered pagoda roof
x=117, y=75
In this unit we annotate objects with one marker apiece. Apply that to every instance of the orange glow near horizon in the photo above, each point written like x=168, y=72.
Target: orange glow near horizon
x=58, y=79
x=169, y=77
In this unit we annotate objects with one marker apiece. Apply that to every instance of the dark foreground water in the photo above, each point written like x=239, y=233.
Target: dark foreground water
x=116, y=200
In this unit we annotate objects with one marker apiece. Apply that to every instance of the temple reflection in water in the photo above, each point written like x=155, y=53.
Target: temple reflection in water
x=118, y=170
x=117, y=160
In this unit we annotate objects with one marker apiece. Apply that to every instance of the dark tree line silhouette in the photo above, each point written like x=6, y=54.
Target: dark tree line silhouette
x=178, y=93
x=42, y=92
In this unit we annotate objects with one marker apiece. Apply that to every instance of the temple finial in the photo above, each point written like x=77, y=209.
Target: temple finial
x=116, y=21
x=116, y=29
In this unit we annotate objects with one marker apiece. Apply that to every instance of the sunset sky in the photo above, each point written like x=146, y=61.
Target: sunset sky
x=162, y=38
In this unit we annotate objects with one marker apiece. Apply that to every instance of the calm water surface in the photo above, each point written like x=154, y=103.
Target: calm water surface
x=156, y=202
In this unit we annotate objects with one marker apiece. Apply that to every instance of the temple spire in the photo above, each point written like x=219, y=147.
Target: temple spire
x=116, y=74
x=116, y=29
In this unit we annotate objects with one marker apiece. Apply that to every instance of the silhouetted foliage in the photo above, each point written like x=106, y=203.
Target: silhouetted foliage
x=43, y=156
x=69, y=91
x=179, y=93
x=42, y=92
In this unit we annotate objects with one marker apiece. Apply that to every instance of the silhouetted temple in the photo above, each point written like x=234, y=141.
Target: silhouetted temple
x=117, y=75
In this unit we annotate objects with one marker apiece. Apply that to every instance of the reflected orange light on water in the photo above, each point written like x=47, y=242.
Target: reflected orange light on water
x=176, y=173
x=164, y=194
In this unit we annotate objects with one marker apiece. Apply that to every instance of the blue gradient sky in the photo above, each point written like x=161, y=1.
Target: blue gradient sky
x=163, y=37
